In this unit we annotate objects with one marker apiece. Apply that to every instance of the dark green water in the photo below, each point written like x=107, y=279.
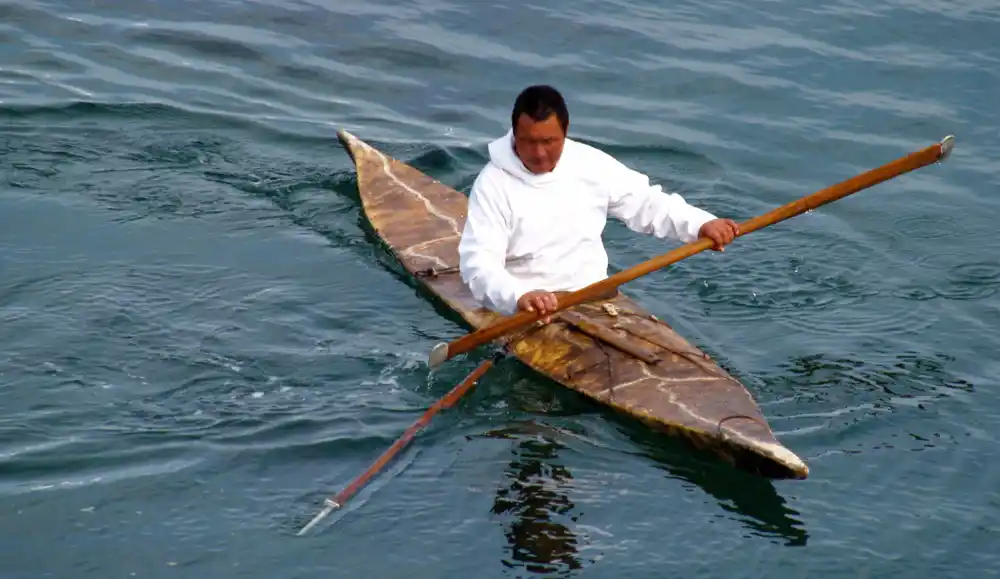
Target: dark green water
x=200, y=342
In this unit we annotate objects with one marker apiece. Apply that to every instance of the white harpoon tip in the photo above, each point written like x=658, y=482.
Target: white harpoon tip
x=438, y=355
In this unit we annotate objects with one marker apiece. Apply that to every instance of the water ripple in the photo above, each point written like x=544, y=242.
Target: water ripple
x=202, y=341
x=850, y=391
x=458, y=44
x=874, y=316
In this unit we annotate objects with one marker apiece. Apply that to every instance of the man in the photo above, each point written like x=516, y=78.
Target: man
x=538, y=208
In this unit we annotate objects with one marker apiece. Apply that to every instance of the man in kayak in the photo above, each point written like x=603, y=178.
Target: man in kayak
x=538, y=208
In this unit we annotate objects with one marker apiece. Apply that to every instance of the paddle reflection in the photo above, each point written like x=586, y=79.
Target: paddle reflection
x=536, y=500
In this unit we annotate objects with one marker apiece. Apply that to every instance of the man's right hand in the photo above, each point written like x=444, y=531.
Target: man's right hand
x=539, y=301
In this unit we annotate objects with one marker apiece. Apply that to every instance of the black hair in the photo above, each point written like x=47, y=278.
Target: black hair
x=539, y=102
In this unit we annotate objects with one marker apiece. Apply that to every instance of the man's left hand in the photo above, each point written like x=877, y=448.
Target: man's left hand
x=721, y=231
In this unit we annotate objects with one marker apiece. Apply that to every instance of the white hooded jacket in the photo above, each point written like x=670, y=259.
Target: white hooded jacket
x=543, y=232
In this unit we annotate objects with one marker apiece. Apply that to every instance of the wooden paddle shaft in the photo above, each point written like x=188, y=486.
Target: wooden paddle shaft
x=446, y=401
x=910, y=162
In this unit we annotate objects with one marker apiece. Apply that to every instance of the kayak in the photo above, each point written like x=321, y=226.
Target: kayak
x=610, y=350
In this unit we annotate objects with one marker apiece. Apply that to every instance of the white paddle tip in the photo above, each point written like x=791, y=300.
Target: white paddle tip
x=330, y=505
x=438, y=355
x=947, y=144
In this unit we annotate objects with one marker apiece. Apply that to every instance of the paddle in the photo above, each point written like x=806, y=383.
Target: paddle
x=937, y=152
x=446, y=401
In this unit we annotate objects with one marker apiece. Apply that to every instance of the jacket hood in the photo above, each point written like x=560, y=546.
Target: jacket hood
x=503, y=156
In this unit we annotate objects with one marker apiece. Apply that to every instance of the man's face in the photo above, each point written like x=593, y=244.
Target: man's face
x=539, y=144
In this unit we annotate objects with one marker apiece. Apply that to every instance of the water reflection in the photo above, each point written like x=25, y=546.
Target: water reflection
x=540, y=517
x=751, y=500
x=536, y=501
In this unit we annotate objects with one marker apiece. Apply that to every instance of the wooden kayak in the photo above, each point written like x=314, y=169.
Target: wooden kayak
x=610, y=350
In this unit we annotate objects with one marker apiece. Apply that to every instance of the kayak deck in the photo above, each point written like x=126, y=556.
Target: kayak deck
x=611, y=350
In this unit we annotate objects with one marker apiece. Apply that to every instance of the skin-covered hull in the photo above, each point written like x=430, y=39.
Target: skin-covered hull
x=611, y=350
